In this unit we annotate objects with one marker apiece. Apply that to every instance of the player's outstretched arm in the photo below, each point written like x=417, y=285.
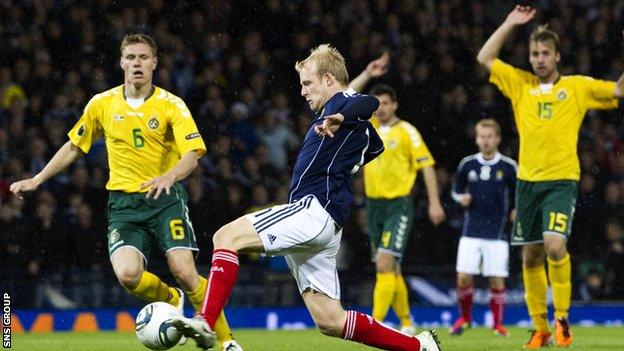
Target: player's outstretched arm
x=185, y=166
x=359, y=107
x=436, y=212
x=65, y=156
x=619, y=89
x=374, y=69
x=519, y=16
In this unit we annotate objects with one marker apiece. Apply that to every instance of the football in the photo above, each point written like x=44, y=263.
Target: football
x=153, y=326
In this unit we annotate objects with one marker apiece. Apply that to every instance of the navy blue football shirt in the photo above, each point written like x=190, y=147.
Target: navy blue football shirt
x=325, y=166
x=491, y=183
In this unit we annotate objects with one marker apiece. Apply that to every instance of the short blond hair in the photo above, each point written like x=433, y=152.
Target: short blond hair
x=328, y=61
x=130, y=39
x=543, y=34
x=489, y=123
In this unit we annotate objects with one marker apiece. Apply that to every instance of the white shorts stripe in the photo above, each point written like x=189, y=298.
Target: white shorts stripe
x=272, y=214
x=281, y=216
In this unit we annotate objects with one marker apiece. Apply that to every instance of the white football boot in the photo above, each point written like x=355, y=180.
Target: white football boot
x=428, y=341
x=197, y=329
x=231, y=345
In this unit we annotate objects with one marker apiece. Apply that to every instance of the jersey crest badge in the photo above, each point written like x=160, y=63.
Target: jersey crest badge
x=562, y=94
x=114, y=236
x=81, y=130
x=500, y=174
x=153, y=123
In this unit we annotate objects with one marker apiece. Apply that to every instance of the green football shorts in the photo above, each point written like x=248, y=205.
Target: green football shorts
x=543, y=208
x=389, y=224
x=136, y=221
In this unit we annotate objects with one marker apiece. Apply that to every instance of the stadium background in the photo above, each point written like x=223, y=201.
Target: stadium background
x=232, y=62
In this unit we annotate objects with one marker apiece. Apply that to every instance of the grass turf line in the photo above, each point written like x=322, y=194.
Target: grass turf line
x=477, y=339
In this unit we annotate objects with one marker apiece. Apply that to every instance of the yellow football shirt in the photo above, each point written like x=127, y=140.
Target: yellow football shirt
x=392, y=174
x=142, y=143
x=548, y=118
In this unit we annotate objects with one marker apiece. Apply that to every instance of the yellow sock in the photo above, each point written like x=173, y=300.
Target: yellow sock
x=535, y=286
x=197, y=296
x=383, y=295
x=559, y=275
x=400, y=303
x=152, y=289
x=222, y=329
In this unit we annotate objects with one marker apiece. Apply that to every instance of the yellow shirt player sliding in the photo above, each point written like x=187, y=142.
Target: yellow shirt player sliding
x=388, y=183
x=548, y=110
x=152, y=144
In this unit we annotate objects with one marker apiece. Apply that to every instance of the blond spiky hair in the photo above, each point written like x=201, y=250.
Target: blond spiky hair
x=328, y=60
x=542, y=33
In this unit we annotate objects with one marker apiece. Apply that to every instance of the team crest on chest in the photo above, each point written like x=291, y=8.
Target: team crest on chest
x=500, y=174
x=153, y=123
x=562, y=94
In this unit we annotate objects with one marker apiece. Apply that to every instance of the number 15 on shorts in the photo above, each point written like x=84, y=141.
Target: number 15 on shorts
x=558, y=222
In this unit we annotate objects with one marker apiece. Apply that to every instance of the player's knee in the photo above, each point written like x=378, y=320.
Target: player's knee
x=464, y=280
x=385, y=263
x=223, y=238
x=129, y=277
x=532, y=256
x=555, y=250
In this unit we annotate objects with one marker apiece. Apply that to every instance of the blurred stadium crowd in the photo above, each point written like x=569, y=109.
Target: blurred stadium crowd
x=233, y=64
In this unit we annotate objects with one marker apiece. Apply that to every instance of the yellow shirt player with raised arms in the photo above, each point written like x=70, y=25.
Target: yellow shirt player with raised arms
x=388, y=183
x=549, y=109
x=152, y=144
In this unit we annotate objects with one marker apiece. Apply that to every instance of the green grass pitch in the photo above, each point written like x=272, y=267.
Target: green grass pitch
x=586, y=339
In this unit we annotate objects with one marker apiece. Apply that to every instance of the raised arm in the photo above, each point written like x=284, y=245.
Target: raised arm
x=65, y=156
x=619, y=89
x=374, y=69
x=520, y=15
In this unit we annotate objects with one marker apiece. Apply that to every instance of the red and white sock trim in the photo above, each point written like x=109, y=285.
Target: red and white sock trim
x=225, y=255
x=350, y=325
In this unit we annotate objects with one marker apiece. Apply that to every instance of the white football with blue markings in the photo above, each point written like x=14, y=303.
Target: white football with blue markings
x=153, y=326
